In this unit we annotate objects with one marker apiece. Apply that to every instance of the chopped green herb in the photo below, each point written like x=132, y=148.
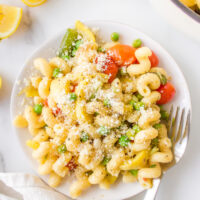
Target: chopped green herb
x=137, y=43
x=37, y=108
x=138, y=105
x=152, y=166
x=115, y=37
x=164, y=115
x=123, y=140
x=157, y=126
x=84, y=137
x=134, y=100
x=62, y=148
x=105, y=161
x=154, y=142
x=106, y=103
x=134, y=172
x=162, y=78
x=72, y=97
x=96, y=113
x=123, y=71
x=74, y=52
x=139, y=96
x=88, y=173
x=154, y=150
x=56, y=72
x=78, y=43
x=132, y=132
x=103, y=130
x=101, y=50
x=65, y=57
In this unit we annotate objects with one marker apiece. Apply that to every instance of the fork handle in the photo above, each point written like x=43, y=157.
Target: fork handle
x=151, y=193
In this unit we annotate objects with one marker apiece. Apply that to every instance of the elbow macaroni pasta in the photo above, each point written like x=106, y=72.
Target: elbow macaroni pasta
x=83, y=123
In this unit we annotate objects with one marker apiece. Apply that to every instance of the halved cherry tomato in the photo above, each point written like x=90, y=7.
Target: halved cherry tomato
x=154, y=60
x=167, y=92
x=122, y=54
x=107, y=66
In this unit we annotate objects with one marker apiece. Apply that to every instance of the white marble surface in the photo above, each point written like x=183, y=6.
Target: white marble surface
x=40, y=23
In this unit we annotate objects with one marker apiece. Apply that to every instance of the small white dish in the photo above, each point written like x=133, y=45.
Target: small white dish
x=127, y=34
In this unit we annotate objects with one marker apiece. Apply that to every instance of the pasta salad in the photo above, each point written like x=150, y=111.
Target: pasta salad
x=97, y=112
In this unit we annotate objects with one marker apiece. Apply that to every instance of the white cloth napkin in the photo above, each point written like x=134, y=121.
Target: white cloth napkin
x=17, y=186
x=20, y=186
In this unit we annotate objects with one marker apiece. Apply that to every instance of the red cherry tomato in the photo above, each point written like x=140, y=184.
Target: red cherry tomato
x=154, y=60
x=122, y=54
x=167, y=92
x=107, y=66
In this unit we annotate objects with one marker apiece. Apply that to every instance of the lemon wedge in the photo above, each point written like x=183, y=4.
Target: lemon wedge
x=10, y=18
x=0, y=82
x=33, y=3
x=85, y=31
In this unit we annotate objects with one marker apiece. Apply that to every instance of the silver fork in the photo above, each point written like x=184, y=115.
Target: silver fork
x=178, y=130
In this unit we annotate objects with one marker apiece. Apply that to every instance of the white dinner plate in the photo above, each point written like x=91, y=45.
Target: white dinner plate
x=127, y=34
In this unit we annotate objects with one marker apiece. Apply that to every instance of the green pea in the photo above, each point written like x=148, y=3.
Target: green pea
x=103, y=130
x=134, y=172
x=138, y=105
x=152, y=166
x=84, y=137
x=154, y=142
x=137, y=43
x=105, y=161
x=56, y=72
x=106, y=103
x=115, y=37
x=72, y=97
x=62, y=148
x=157, y=126
x=164, y=115
x=123, y=140
x=37, y=108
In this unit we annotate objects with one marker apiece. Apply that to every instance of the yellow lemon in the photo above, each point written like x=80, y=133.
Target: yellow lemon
x=33, y=3
x=10, y=18
x=87, y=33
